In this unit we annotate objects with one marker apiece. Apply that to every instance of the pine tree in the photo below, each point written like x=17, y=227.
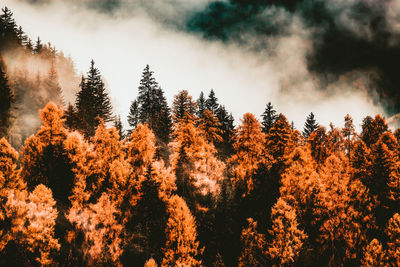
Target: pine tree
x=92, y=102
x=45, y=160
x=348, y=131
x=183, y=107
x=268, y=118
x=53, y=87
x=152, y=108
x=182, y=247
x=374, y=255
x=201, y=105
x=393, y=245
x=38, y=46
x=288, y=239
x=118, y=126
x=212, y=102
x=253, y=246
x=133, y=116
x=6, y=101
x=250, y=154
x=227, y=132
x=310, y=125
x=8, y=29
x=372, y=129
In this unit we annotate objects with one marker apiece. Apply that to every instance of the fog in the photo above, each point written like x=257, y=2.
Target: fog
x=123, y=42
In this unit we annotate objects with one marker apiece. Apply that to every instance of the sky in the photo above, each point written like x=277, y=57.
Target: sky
x=245, y=67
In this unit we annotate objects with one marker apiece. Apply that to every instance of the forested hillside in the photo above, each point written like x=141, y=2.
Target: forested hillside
x=182, y=185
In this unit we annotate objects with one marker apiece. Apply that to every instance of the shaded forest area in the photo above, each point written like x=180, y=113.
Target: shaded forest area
x=183, y=186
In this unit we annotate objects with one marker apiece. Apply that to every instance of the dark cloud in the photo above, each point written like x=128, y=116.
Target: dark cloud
x=347, y=36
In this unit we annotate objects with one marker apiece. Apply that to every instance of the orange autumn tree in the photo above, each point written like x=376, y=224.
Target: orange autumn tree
x=288, y=238
x=392, y=232
x=198, y=171
x=44, y=158
x=253, y=246
x=374, y=255
x=182, y=247
x=250, y=155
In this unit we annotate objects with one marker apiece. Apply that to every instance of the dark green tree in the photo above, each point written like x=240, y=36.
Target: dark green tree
x=8, y=29
x=268, y=118
x=310, y=125
x=52, y=86
x=6, y=100
x=201, y=105
x=227, y=128
x=133, y=116
x=212, y=102
x=93, y=102
x=38, y=46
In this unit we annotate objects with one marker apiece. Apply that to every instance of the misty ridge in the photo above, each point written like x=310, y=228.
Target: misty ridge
x=184, y=184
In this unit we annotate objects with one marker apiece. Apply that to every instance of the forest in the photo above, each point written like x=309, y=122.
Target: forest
x=183, y=185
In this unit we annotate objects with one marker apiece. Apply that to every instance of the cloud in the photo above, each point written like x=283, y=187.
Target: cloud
x=256, y=55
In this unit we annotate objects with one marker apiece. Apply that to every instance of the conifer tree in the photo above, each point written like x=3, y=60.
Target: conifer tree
x=268, y=118
x=210, y=126
x=253, y=246
x=393, y=245
x=372, y=129
x=374, y=255
x=212, y=102
x=288, y=239
x=183, y=107
x=201, y=105
x=182, y=247
x=227, y=132
x=45, y=160
x=92, y=102
x=133, y=116
x=38, y=46
x=8, y=29
x=53, y=87
x=348, y=132
x=118, y=126
x=310, y=125
x=250, y=154
x=6, y=101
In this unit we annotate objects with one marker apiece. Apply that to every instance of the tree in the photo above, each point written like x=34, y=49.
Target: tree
x=374, y=255
x=310, y=125
x=393, y=245
x=45, y=160
x=52, y=87
x=41, y=217
x=268, y=118
x=38, y=46
x=6, y=101
x=209, y=124
x=348, y=131
x=372, y=129
x=92, y=102
x=253, y=246
x=8, y=29
x=227, y=132
x=118, y=126
x=183, y=107
x=182, y=247
x=280, y=139
x=133, y=116
x=287, y=239
x=201, y=105
x=212, y=102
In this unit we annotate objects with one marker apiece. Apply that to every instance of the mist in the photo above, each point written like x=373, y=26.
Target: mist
x=245, y=74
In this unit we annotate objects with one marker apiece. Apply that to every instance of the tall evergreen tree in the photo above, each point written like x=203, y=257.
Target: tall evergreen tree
x=212, y=102
x=268, y=118
x=310, y=126
x=183, y=107
x=53, y=87
x=151, y=107
x=38, y=46
x=201, y=105
x=227, y=132
x=6, y=100
x=8, y=29
x=93, y=102
x=133, y=116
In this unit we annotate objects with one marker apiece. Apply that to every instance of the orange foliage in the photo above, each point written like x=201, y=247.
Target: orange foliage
x=182, y=247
